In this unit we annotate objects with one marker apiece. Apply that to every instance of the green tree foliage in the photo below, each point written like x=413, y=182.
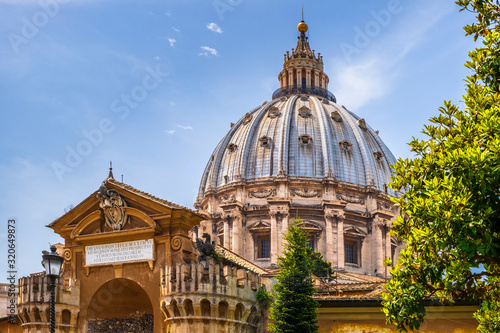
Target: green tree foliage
x=294, y=309
x=450, y=213
x=320, y=267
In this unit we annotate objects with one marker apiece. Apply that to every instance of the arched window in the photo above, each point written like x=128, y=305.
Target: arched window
x=66, y=317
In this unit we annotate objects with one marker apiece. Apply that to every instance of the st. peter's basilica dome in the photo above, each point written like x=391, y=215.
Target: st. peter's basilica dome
x=301, y=155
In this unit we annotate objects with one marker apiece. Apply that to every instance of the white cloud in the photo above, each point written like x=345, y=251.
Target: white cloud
x=358, y=84
x=175, y=29
x=208, y=50
x=185, y=127
x=157, y=58
x=169, y=131
x=374, y=70
x=214, y=27
x=171, y=41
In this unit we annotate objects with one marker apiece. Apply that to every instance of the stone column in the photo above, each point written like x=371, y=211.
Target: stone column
x=227, y=233
x=316, y=79
x=290, y=77
x=299, y=77
x=340, y=241
x=283, y=229
x=274, y=236
x=388, y=246
x=329, y=219
x=237, y=233
x=378, y=258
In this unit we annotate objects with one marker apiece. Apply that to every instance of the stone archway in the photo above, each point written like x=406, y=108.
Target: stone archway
x=120, y=305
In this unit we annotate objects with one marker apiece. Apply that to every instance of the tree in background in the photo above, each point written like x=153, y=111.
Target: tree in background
x=450, y=213
x=294, y=309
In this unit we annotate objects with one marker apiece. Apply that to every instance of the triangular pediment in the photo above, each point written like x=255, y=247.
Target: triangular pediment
x=259, y=225
x=310, y=226
x=116, y=209
x=354, y=231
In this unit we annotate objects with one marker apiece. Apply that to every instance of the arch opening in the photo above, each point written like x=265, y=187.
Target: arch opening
x=120, y=305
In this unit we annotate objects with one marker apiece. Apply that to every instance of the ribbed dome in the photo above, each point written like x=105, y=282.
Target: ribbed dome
x=300, y=136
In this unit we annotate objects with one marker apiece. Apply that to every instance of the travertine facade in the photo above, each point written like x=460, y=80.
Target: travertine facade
x=302, y=155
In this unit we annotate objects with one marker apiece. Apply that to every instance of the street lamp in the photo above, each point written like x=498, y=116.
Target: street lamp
x=52, y=264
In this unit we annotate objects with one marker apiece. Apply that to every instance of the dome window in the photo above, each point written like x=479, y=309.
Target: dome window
x=362, y=124
x=336, y=116
x=265, y=141
x=305, y=112
x=325, y=101
x=305, y=139
x=232, y=147
x=345, y=145
x=283, y=99
x=274, y=112
x=248, y=117
x=378, y=155
x=304, y=98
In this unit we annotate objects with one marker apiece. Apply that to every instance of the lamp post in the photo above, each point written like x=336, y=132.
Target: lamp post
x=52, y=263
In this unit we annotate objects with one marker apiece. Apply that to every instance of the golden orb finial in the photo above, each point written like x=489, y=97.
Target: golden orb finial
x=302, y=26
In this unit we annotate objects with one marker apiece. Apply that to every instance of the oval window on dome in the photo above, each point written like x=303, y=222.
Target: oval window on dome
x=265, y=141
x=305, y=139
x=248, y=117
x=304, y=112
x=336, y=116
x=378, y=155
x=274, y=112
x=232, y=147
x=345, y=145
x=362, y=124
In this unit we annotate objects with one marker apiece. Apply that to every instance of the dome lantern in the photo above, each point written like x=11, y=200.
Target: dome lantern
x=303, y=70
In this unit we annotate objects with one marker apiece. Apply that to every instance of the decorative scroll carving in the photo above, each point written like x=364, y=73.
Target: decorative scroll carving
x=112, y=206
x=262, y=193
x=347, y=197
x=305, y=192
x=67, y=255
x=228, y=198
x=176, y=243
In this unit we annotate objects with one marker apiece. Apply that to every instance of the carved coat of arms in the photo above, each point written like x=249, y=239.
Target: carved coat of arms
x=112, y=206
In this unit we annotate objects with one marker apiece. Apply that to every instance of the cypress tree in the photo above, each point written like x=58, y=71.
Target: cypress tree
x=294, y=309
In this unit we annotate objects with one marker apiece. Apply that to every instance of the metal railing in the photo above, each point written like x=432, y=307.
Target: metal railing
x=290, y=90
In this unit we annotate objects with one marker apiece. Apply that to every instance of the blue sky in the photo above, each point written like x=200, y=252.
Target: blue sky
x=154, y=85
